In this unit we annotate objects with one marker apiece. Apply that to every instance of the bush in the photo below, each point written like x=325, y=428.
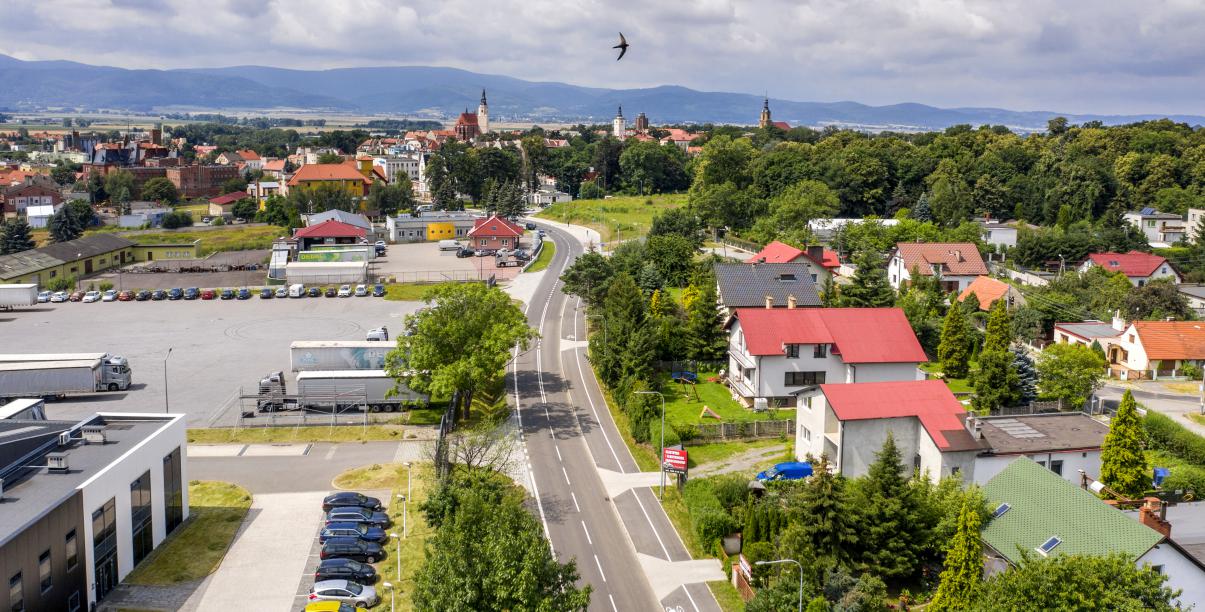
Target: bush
x=219, y=221
x=731, y=490
x=62, y=283
x=1192, y=371
x=106, y=285
x=685, y=431
x=1186, y=478
x=1165, y=434
x=712, y=524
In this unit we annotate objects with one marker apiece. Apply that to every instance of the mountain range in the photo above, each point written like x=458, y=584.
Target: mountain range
x=436, y=92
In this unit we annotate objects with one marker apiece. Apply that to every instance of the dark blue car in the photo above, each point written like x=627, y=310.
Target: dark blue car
x=363, y=531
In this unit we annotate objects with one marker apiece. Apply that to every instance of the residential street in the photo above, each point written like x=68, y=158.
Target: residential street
x=1174, y=405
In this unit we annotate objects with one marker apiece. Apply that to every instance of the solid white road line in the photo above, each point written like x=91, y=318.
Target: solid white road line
x=586, y=389
x=692, y=599
x=613, y=606
x=651, y=525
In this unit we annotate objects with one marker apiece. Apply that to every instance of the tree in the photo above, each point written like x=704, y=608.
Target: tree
x=330, y=158
x=159, y=189
x=922, y=211
x=321, y=198
x=1070, y=372
x=15, y=237
x=64, y=226
x=244, y=209
x=870, y=287
x=1122, y=459
x=677, y=222
x=672, y=255
x=962, y=571
x=445, y=198
x=1157, y=299
x=462, y=342
x=1027, y=375
x=177, y=219
x=387, y=200
x=799, y=204
x=116, y=182
x=588, y=277
x=1077, y=582
x=235, y=184
x=889, y=530
x=705, y=337
x=824, y=515
x=995, y=381
x=954, y=351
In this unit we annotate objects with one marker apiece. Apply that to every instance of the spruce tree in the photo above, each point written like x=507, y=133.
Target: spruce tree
x=922, y=211
x=1027, y=375
x=624, y=315
x=963, y=568
x=15, y=237
x=954, y=350
x=889, y=525
x=705, y=337
x=1122, y=462
x=870, y=287
x=829, y=298
x=995, y=381
x=64, y=226
x=825, y=514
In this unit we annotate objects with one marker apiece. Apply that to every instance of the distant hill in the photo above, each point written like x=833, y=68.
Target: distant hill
x=442, y=92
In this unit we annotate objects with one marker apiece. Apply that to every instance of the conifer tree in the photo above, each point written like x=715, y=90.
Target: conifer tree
x=1027, y=375
x=889, y=525
x=922, y=211
x=824, y=513
x=15, y=237
x=64, y=226
x=995, y=381
x=1122, y=462
x=829, y=298
x=870, y=287
x=954, y=351
x=705, y=338
x=963, y=568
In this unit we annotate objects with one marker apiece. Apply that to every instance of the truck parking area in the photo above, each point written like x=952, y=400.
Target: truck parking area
x=217, y=347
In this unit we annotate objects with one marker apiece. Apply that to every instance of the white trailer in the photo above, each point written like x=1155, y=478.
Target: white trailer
x=337, y=355
x=55, y=378
x=12, y=296
x=337, y=391
x=115, y=370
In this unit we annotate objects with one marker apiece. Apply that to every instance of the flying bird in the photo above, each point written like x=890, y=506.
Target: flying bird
x=622, y=46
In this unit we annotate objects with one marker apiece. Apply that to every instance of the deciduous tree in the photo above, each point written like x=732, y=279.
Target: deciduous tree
x=1077, y=582
x=1070, y=372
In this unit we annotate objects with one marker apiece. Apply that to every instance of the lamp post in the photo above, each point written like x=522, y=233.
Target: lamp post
x=405, y=515
x=166, y=404
x=800, y=575
x=407, y=464
x=661, y=457
x=395, y=536
x=389, y=586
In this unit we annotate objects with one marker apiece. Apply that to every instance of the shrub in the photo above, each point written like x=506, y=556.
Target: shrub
x=1165, y=434
x=106, y=285
x=712, y=524
x=1186, y=478
x=1192, y=371
x=62, y=283
x=685, y=431
x=219, y=221
x=731, y=490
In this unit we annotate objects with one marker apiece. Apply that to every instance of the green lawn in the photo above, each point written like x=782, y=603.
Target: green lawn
x=546, y=253
x=620, y=217
x=957, y=385
x=391, y=430
x=1196, y=418
x=681, y=406
x=679, y=515
x=228, y=238
x=411, y=292
x=727, y=596
x=196, y=549
x=715, y=452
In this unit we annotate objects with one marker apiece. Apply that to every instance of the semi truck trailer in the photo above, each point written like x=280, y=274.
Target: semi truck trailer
x=12, y=296
x=61, y=378
x=337, y=355
x=337, y=391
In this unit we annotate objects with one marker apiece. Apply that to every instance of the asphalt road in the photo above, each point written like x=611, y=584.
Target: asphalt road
x=569, y=435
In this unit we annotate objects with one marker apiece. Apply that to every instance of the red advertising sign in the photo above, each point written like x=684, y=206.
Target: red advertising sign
x=674, y=460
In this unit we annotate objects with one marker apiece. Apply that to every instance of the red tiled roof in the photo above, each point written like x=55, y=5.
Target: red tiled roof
x=779, y=252
x=495, y=226
x=248, y=154
x=861, y=335
x=1172, y=339
x=1134, y=263
x=346, y=171
x=275, y=165
x=330, y=229
x=958, y=258
x=930, y=401
x=467, y=119
x=986, y=289
x=782, y=125
x=228, y=198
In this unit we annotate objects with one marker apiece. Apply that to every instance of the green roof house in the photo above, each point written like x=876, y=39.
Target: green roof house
x=1039, y=512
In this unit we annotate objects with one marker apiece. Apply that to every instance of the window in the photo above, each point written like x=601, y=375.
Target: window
x=54, y=273
x=16, y=598
x=44, y=570
x=748, y=374
x=173, y=497
x=1150, y=223
x=1158, y=569
x=140, y=517
x=792, y=351
x=807, y=435
x=1049, y=545
x=955, y=470
x=1000, y=510
x=71, y=551
x=73, y=602
x=821, y=351
x=803, y=379
x=807, y=402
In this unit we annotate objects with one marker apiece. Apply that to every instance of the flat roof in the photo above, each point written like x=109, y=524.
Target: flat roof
x=1197, y=291
x=37, y=492
x=297, y=344
x=1188, y=527
x=1089, y=329
x=1032, y=433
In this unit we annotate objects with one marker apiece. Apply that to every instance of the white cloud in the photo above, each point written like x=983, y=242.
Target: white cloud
x=1072, y=55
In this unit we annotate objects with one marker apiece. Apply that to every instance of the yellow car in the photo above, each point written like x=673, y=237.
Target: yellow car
x=333, y=606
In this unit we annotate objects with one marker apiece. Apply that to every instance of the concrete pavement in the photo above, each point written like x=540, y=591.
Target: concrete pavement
x=1175, y=405
x=273, y=468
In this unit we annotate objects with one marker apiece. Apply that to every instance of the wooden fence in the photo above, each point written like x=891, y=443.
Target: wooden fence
x=750, y=430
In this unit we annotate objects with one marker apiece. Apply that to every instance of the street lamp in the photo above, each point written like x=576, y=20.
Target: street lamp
x=405, y=515
x=800, y=575
x=407, y=464
x=661, y=458
x=166, y=405
x=389, y=586
x=394, y=535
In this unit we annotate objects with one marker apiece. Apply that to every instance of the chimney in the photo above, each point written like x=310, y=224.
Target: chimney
x=816, y=252
x=791, y=301
x=769, y=302
x=1119, y=323
x=1154, y=515
x=975, y=426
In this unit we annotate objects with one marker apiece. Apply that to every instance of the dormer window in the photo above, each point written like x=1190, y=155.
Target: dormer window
x=786, y=278
x=1049, y=545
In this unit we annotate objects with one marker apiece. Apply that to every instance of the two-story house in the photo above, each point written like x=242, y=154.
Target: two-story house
x=779, y=285
x=822, y=263
x=773, y=353
x=1161, y=229
x=954, y=264
x=1141, y=268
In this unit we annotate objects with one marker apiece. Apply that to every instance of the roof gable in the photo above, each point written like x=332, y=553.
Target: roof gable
x=345, y=171
x=776, y=252
x=986, y=289
x=930, y=401
x=1172, y=339
x=861, y=335
x=330, y=229
x=229, y=198
x=957, y=258
x=495, y=226
x=1132, y=264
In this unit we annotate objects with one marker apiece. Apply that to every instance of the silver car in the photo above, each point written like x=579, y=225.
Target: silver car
x=345, y=591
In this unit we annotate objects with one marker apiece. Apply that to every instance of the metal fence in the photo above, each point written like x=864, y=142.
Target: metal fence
x=1042, y=407
x=432, y=276
x=744, y=431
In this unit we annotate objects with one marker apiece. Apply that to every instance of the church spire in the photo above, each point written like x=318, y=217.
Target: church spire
x=764, y=121
x=483, y=96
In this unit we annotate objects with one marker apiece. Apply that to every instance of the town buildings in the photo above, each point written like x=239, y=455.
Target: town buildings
x=200, y=181
x=822, y=263
x=429, y=226
x=1160, y=229
x=495, y=233
x=988, y=291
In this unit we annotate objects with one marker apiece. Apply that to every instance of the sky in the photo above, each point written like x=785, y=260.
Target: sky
x=1072, y=56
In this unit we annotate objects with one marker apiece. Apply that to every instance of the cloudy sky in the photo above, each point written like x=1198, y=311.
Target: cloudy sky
x=1080, y=56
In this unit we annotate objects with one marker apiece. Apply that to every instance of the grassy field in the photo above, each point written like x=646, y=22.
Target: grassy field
x=229, y=238
x=614, y=218
x=546, y=253
x=957, y=385
x=682, y=407
x=727, y=596
x=410, y=292
x=717, y=452
x=391, y=430
x=196, y=549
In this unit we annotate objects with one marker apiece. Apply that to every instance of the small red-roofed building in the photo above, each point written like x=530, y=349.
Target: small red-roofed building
x=329, y=232
x=1141, y=268
x=822, y=263
x=850, y=423
x=495, y=233
x=223, y=205
x=1155, y=349
x=988, y=290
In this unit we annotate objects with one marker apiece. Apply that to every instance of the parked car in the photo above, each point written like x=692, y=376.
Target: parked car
x=486, y=252
x=207, y=294
x=43, y=297
x=109, y=296
x=345, y=569
x=380, y=244
x=58, y=296
x=378, y=290
x=344, y=591
x=790, y=470
x=350, y=498
x=531, y=225
x=282, y=292
x=352, y=530
x=143, y=295
x=243, y=294
x=91, y=296
x=330, y=292
x=158, y=295
x=206, y=219
x=226, y=294
x=522, y=254
x=125, y=296
x=345, y=291
x=175, y=293
x=76, y=296
x=465, y=252
x=315, y=292
x=356, y=514
x=352, y=548
x=332, y=606
x=192, y=293
x=266, y=293
x=379, y=334
x=361, y=290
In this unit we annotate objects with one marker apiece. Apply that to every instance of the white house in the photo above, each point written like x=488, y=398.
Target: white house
x=1162, y=228
x=1153, y=349
x=547, y=197
x=850, y=423
x=955, y=264
x=1194, y=222
x=1141, y=268
x=1000, y=234
x=1062, y=442
x=774, y=353
x=39, y=215
x=1195, y=293
x=394, y=165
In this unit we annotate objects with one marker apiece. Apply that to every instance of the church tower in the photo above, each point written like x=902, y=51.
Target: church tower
x=764, y=121
x=619, y=127
x=483, y=114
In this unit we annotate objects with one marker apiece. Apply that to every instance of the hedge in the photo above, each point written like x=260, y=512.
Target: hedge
x=1167, y=435
x=708, y=517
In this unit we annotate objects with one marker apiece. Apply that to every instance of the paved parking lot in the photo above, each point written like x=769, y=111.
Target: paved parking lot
x=217, y=346
x=423, y=261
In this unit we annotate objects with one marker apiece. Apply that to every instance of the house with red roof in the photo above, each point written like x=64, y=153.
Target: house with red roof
x=955, y=264
x=850, y=423
x=775, y=353
x=1155, y=349
x=329, y=232
x=1141, y=268
x=495, y=233
x=988, y=290
x=822, y=263
x=223, y=205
